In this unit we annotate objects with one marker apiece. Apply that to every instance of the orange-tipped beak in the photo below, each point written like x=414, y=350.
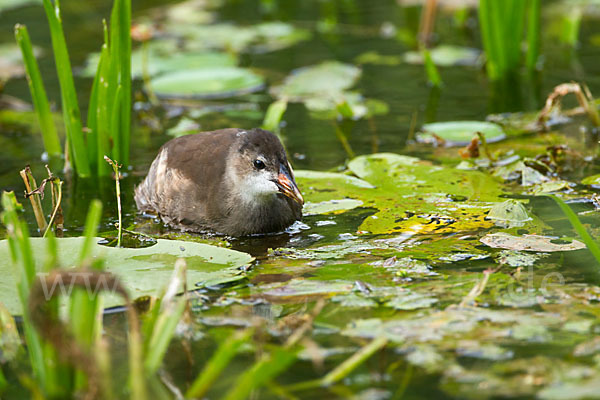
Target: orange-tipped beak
x=287, y=186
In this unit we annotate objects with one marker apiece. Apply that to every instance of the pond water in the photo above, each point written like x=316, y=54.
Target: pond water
x=533, y=329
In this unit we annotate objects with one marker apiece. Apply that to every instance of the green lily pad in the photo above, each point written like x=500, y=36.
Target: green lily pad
x=258, y=38
x=328, y=79
x=460, y=133
x=205, y=83
x=446, y=56
x=361, y=107
x=10, y=4
x=413, y=195
x=143, y=271
x=324, y=87
x=159, y=61
x=11, y=61
x=373, y=57
x=330, y=206
x=185, y=126
x=593, y=180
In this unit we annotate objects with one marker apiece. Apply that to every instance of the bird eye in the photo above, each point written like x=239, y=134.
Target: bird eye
x=259, y=164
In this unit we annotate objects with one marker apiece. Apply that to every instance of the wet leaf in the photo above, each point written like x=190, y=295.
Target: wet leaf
x=206, y=83
x=517, y=258
x=302, y=288
x=460, y=133
x=502, y=240
x=143, y=271
x=475, y=349
x=411, y=301
x=353, y=301
x=511, y=211
x=413, y=195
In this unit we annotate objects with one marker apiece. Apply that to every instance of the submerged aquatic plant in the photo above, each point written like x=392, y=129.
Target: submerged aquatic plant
x=109, y=114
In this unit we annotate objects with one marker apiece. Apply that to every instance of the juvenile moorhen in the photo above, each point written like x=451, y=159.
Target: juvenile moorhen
x=233, y=181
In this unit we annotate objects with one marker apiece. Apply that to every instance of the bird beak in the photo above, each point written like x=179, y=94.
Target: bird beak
x=287, y=186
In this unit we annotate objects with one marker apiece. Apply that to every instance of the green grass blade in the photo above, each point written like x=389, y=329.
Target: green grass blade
x=38, y=93
x=90, y=230
x=125, y=75
x=165, y=315
x=533, y=34
x=21, y=255
x=84, y=307
x=274, y=114
x=349, y=365
x=217, y=363
x=115, y=124
x=163, y=332
x=487, y=38
x=104, y=104
x=513, y=31
x=433, y=75
x=578, y=227
x=269, y=366
x=92, y=125
x=499, y=41
x=70, y=106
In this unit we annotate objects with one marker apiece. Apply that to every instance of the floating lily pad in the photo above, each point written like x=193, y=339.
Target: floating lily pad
x=330, y=206
x=411, y=301
x=435, y=197
x=502, y=240
x=258, y=38
x=160, y=61
x=10, y=4
x=446, y=56
x=143, y=271
x=11, y=61
x=360, y=107
x=302, y=288
x=324, y=87
x=593, y=180
x=207, y=83
x=185, y=126
x=372, y=57
x=460, y=133
x=328, y=79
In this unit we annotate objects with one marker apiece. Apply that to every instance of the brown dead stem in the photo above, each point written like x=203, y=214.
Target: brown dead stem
x=36, y=203
x=35, y=194
x=427, y=24
x=57, y=333
x=299, y=333
x=583, y=95
x=478, y=289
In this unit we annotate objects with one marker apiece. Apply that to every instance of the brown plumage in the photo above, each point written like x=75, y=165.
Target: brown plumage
x=232, y=181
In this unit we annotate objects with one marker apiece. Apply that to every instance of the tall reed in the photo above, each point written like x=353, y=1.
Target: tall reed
x=109, y=113
x=502, y=26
